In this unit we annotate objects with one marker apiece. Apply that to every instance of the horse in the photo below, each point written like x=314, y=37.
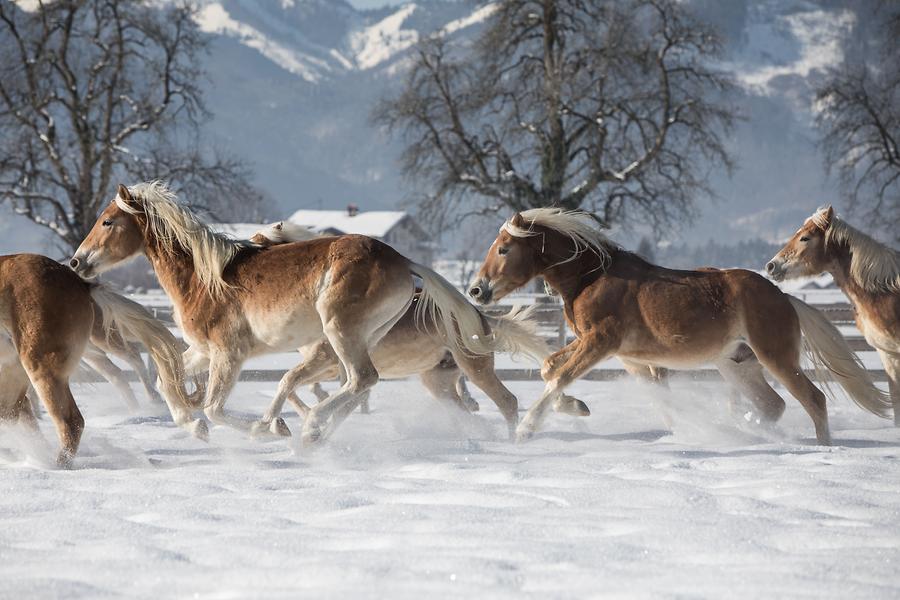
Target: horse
x=867, y=271
x=47, y=316
x=234, y=299
x=415, y=346
x=619, y=304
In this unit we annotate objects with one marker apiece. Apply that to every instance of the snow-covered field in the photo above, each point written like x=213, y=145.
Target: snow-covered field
x=408, y=501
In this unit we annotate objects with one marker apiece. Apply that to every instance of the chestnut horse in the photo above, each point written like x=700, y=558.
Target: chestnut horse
x=415, y=346
x=233, y=299
x=47, y=315
x=867, y=271
x=619, y=304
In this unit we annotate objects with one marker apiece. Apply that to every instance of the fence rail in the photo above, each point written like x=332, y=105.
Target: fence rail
x=552, y=323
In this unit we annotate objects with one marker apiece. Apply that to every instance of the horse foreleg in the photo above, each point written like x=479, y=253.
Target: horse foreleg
x=561, y=369
x=224, y=369
x=101, y=363
x=321, y=362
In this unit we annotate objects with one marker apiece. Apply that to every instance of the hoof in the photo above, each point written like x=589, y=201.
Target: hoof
x=64, y=459
x=572, y=406
x=523, y=435
x=200, y=430
x=311, y=435
x=472, y=405
x=280, y=428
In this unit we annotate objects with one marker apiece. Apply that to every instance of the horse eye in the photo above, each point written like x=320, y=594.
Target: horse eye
x=107, y=223
x=502, y=250
x=804, y=239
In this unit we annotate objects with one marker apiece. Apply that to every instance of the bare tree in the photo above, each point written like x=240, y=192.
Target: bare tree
x=608, y=105
x=860, y=123
x=88, y=89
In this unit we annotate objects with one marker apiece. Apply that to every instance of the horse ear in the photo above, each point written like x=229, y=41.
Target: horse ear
x=279, y=226
x=125, y=195
x=827, y=217
x=517, y=221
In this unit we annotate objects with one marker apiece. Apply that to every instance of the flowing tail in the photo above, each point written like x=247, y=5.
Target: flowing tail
x=132, y=321
x=444, y=305
x=825, y=346
x=516, y=332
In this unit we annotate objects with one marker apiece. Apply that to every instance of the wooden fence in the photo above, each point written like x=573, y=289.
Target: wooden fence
x=552, y=324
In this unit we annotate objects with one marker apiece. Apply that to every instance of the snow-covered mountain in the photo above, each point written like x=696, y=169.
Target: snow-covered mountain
x=292, y=83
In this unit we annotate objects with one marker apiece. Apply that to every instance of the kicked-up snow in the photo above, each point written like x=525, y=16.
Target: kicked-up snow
x=408, y=501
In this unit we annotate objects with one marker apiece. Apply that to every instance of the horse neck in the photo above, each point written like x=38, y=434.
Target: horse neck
x=175, y=270
x=569, y=278
x=839, y=260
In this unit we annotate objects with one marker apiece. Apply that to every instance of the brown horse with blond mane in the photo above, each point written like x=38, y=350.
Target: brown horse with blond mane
x=867, y=271
x=47, y=316
x=234, y=299
x=620, y=305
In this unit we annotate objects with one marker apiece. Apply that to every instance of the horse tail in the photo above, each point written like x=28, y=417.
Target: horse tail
x=132, y=321
x=441, y=303
x=516, y=332
x=825, y=346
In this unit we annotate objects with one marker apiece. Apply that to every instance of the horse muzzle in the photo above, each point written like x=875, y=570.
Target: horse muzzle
x=82, y=267
x=481, y=292
x=775, y=270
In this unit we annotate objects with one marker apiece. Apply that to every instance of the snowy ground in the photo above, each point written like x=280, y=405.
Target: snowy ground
x=406, y=501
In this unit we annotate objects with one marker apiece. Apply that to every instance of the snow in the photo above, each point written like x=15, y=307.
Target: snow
x=477, y=16
x=213, y=18
x=406, y=502
x=377, y=43
x=374, y=223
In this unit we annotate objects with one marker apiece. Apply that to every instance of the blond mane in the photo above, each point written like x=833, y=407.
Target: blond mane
x=873, y=265
x=577, y=225
x=175, y=226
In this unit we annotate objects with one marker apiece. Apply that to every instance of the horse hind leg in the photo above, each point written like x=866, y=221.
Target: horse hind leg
x=15, y=405
x=746, y=376
x=782, y=359
x=53, y=389
x=352, y=351
x=891, y=362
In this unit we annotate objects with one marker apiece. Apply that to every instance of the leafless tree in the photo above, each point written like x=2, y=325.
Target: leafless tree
x=609, y=105
x=89, y=89
x=860, y=123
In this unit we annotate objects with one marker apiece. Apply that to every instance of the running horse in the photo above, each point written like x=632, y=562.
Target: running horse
x=867, y=271
x=621, y=305
x=234, y=299
x=47, y=316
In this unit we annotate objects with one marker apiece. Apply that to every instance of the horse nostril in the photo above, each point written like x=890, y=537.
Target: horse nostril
x=74, y=263
x=474, y=291
x=770, y=266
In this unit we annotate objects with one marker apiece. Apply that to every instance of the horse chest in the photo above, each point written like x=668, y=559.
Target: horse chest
x=876, y=332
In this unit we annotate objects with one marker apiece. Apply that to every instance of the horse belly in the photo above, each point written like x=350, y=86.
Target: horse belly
x=679, y=352
x=285, y=330
x=395, y=360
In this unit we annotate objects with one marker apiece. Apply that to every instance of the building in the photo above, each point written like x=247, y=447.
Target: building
x=396, y=228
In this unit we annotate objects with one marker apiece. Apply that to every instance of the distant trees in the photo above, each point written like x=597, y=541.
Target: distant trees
x=748, y=254
x=860, y=122
x=608, y=105
x=97, y=92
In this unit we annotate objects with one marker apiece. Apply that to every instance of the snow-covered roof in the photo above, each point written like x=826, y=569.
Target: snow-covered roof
x=374, y=223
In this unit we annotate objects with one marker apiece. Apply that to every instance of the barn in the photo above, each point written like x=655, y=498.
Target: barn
x=396, y=228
